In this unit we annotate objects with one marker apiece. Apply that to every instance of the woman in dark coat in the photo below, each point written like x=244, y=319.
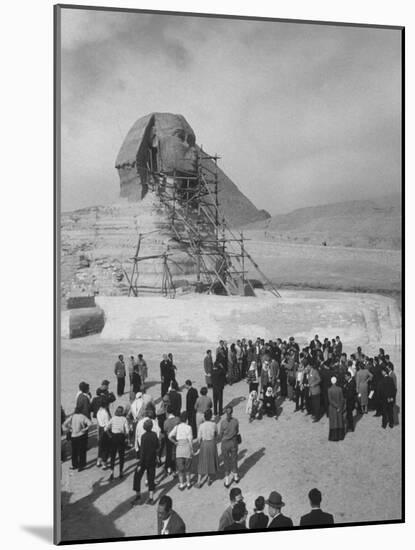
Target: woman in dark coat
x=233, y=370
x=336, y=406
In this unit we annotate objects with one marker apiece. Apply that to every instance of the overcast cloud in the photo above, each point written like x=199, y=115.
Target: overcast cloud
x=300, y=114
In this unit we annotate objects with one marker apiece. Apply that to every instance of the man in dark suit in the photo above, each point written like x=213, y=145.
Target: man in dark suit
x=165, y=375
x=175, y=398
x=149, y=445
x=316, y=516
x=168, y=521
x=278, y=521
x=191, y=397
x=239, y=513
x=208, y=366
x=387, y=395
x=349, y=392
x=218, y=383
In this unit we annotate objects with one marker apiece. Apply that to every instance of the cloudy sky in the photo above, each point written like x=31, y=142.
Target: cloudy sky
x=301, y=114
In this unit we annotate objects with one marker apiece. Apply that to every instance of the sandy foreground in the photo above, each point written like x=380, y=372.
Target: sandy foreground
x=360, y=477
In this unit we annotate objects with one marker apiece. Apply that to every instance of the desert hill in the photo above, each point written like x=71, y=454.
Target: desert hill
x=365, y=224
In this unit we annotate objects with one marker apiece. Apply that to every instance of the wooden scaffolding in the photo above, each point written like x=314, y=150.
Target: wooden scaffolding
x=191, y=201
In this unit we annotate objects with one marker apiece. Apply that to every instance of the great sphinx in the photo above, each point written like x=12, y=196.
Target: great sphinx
x=160, y=150
x=101, y=244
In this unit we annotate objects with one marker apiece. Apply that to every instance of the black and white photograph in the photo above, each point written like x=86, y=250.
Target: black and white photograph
x=229, y=242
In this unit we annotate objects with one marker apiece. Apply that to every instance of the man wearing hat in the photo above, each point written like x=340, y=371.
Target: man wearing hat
x=278, y=521
x=316, y=516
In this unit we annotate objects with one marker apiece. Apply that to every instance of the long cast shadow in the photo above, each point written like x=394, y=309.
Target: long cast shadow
x=250, y=461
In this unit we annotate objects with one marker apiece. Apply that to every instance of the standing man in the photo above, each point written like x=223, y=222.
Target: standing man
x=120, y=373
x=316, y=516
x=338, y=347
x=218, y=383
x=230, y=438
x=239, y=515
x=148, y=457
x=278, y=521
x=208, y=367
x=314, y=380
x=165, y=374
x=168, y=521
x=83, y=400
x=349, y=392
x=387, y=395
x=235, y=495
x=191, y=397
x=175, y=398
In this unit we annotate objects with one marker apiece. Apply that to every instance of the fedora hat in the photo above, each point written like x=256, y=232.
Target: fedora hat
x=275, y=500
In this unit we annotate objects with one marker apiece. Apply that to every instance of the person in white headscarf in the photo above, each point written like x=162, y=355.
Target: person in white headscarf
x=142, y=402
x=254, y=406
x=269, y=405
x=138, y=410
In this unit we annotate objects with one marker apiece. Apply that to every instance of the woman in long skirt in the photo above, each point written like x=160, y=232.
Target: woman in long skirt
x=233, y=370
x=336, y=406
x=208, y=454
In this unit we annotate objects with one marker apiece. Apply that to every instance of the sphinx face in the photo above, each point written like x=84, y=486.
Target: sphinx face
x=160, y=142
x=176, y=144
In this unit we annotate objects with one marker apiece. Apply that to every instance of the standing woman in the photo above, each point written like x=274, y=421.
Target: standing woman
x=362, y=385
x=118, y=427
x=203, y=403
x=233, y=370
x=182, y=436
x=208, y=454
x=135, y=382
x=142, y=370
x=78, y=425
x=132, y=365
x=336, y=406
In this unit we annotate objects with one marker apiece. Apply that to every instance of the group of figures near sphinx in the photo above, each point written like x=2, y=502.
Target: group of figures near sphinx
x=177, y=435
x=321, y=379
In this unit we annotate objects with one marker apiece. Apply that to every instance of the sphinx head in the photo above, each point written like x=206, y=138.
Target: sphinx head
x=159, y=142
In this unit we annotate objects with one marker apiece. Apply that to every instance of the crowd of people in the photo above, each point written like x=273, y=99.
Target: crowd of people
x=168, y=433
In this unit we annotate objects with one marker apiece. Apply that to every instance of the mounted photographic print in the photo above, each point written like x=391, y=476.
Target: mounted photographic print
x=228, y=274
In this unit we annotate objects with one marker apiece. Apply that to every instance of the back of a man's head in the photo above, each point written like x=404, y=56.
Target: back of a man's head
x=238, y=511
x=315, y=497
x=233, y=493
x=166, y=502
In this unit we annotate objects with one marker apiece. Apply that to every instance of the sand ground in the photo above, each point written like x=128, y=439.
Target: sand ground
x=360, y=477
